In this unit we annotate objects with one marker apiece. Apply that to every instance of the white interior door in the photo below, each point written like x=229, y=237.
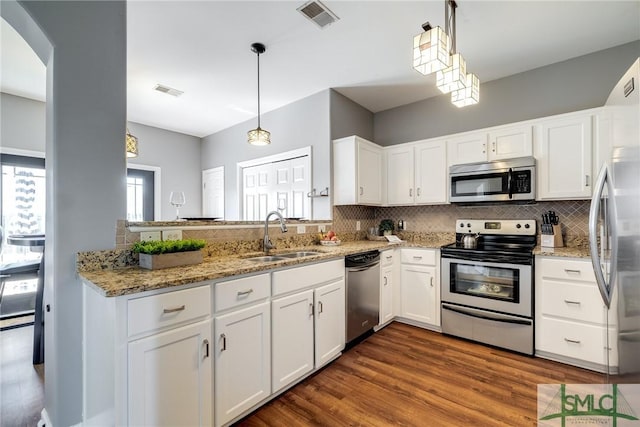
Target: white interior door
x=213, y=193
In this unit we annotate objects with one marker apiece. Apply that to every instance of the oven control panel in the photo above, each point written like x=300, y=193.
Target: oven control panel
x=524, y=227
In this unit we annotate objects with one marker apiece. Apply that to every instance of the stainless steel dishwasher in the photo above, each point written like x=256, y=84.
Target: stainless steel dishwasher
x=363, y=293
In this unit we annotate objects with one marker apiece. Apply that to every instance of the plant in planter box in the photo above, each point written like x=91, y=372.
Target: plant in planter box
x=155, y=254
x=386, y=227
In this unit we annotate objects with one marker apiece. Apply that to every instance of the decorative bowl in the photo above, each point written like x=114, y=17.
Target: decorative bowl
x=330, y=242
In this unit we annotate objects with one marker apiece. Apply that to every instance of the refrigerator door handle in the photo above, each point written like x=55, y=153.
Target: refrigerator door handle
x=604, y=179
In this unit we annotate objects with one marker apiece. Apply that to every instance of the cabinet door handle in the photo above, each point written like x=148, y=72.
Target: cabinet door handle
x=417, y=257
x=587, y=181
x=493, y=146
x=173, y=310
x=385, y=280
x=241, y=293
x=484, y=148
x=418, y=191
x=389, y=256
x=571, y=271
x=310, y=309
x=572, y=341
x=320, y=307
x=431, y=281
x=411, y=192
x=223, y=337
x=572, y=302
x=361, y=191
x=206, y=348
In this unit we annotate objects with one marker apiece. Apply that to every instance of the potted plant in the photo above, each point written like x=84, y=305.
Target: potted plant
x=386, y=227
x=156, y=254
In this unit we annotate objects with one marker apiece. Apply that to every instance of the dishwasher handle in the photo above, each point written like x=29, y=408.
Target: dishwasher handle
x=363, y=268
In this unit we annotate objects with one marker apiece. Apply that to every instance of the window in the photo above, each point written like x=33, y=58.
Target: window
x=140, y=195
x=23, y=203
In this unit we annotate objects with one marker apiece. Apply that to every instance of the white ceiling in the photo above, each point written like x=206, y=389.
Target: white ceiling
x=203, y=49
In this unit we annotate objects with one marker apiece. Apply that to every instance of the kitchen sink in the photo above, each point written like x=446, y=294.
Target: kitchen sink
x=266, y=258
x=299, y=254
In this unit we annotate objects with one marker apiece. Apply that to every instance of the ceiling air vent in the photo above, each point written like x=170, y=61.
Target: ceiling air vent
x=168, y=90
x=318, y=13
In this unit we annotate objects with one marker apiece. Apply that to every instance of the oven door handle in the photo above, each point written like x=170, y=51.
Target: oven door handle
x=510, y=183
x=494, y=316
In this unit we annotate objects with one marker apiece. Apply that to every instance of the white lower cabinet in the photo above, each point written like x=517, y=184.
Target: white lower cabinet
x=571, y=319
x=308, y=321
x=387, y=286
x=292, y=338
x=330, y=321
x=170, y=377
x=419, y=283
x=242, y=360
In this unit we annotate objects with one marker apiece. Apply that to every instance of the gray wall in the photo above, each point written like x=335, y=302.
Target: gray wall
x=572, y=85
x=178, y=156
x=81, y=43
x=349, y=118
x=23, y=123
x=300, y=124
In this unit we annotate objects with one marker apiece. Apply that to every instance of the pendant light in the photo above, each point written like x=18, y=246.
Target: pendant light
x=258, y=136
x=430, y=50
x=435, y=51
x=131, y=144
x=454, y=76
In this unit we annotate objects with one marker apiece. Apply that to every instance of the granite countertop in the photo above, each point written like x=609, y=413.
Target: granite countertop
x=130, y=280
x=112, y=282
x=569, y=252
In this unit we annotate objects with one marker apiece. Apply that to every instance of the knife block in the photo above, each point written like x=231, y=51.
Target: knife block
x=553, y=240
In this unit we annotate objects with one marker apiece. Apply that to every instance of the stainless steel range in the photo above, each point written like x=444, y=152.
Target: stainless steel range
x=487, y=283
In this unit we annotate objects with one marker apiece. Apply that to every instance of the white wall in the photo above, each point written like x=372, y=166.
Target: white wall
x=178, y=156
x=81, y=43
x=300, y=124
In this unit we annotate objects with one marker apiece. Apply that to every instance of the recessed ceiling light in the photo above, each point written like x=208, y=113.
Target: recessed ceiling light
x=168, y=90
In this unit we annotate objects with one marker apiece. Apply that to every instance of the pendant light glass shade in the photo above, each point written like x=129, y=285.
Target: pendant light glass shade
x=469, y=95
x=453, y=77
x=131, y=144
x=431, y=50
x=259, y=136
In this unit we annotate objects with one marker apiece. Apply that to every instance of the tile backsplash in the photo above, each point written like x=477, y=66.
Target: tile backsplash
x=573, y=214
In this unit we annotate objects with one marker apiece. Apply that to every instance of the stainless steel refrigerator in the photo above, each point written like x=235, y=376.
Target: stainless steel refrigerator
x=614, y=226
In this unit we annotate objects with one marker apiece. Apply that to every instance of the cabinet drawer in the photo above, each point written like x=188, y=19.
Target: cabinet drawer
x=241, y=291
x=572, y=339
x=418, y=256
x=158, y=311
x=572, y=300
x=310, y=275
x=386, y=257
x=568, y=269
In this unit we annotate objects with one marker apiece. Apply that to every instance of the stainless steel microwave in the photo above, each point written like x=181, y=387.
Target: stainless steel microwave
x=499, y=181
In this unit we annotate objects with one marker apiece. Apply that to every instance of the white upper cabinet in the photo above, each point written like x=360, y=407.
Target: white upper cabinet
x=511, y=142
x=563, y=155
x=357, y=172
x=431, y=172
x=503, y=142
x=417, y=173
x=400, y=175
x=467, y=148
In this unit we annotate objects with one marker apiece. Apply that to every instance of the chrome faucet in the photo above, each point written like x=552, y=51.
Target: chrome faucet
x=267, y=242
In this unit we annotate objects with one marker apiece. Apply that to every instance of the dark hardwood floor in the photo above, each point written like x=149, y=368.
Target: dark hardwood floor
x=408, y=376
x=21, y=383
